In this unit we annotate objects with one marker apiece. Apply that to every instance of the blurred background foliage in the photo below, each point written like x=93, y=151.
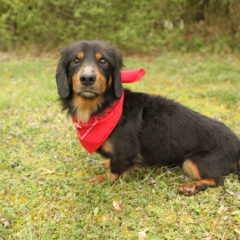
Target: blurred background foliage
x=134, y=26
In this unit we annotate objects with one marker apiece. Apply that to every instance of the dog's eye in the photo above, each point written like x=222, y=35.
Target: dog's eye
x=102, y=61
x=76, y=60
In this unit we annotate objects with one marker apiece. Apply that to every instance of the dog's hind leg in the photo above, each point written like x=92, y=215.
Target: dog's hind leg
x=191, y=188
x=201, y=167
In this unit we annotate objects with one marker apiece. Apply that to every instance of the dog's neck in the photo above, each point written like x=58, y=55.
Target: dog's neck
x=83, y=108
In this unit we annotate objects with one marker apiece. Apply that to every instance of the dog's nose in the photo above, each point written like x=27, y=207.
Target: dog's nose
x=87, y=79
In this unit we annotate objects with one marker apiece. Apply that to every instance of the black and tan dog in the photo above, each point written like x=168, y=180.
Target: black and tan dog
x=152, y=130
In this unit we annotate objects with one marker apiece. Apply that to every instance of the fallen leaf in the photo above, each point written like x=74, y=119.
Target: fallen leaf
x=48, y=171
x=142, y=235
x=117, y=205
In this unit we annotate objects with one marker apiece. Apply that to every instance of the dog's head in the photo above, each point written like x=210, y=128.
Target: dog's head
x=88, y=69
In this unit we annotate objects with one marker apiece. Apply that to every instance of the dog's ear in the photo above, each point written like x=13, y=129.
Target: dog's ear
x=117, y=82
x=62, y=80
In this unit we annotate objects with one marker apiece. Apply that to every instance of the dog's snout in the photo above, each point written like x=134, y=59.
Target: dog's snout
x=87, y=79
x=88, y=76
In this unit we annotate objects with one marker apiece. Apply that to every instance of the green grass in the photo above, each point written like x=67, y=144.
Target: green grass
x=44, y=172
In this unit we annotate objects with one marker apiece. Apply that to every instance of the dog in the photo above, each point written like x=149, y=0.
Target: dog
x=151, y=130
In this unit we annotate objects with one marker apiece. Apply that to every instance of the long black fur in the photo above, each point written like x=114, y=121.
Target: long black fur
x=156, y=130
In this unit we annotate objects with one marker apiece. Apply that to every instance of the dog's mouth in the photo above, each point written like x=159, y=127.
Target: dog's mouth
x=87, y=94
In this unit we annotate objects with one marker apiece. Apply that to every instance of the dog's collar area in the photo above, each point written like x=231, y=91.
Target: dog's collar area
x=99, y=116
x=96, y=131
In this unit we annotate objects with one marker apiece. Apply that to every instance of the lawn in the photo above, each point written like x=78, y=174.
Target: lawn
x=44, y=189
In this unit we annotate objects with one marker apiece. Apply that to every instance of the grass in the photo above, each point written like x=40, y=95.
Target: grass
x=44, y=190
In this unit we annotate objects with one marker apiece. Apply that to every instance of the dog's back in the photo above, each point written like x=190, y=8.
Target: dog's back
x=169, y=132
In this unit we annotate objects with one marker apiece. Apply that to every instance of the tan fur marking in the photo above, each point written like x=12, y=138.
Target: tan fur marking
x=76, y=84
x=207, y=181
x=191, y=169
x=80, y=55
x=111, y=176
x=98, y=56
x=190, y=188
x=85, y=107
x=110, y=82
x=100, y=80
x=107, y=146
x=98, y=178
x=106, y=163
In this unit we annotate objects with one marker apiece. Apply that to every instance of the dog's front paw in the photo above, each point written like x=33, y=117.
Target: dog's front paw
x=98, y=178
x=110, y=176
x=106, y=163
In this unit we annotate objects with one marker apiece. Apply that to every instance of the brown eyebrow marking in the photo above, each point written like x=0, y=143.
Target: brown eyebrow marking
x=98, y=55
x=80, y=55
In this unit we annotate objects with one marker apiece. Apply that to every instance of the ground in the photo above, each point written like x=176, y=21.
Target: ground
x=44, y=172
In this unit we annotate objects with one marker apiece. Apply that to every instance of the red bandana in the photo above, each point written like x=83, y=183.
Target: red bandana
x=95, y=132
